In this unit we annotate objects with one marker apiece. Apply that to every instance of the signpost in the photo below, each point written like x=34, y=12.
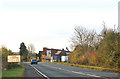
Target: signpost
x=13, y=58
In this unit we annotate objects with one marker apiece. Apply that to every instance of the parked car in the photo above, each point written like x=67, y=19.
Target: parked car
x=34, y=61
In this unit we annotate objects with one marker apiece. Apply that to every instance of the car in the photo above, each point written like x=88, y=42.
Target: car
x=34, y=61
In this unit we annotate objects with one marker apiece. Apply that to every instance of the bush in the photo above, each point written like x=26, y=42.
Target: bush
x=109, y=54
x=5, y=53
x=12, y=65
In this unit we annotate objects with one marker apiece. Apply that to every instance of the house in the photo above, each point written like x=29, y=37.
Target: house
x=61, y=56
x=57, y=56
x=51, y=55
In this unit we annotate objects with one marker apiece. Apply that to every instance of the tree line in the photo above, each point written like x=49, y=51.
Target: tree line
x=95, y=49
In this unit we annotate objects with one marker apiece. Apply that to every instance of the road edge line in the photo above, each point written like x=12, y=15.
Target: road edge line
x=39, y=72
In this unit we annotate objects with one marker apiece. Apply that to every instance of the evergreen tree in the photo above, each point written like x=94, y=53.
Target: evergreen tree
x=23, y=51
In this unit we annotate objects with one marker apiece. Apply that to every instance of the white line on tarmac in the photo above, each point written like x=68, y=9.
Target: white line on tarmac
x=86, y=74
x=39, y=72
x=74, y=71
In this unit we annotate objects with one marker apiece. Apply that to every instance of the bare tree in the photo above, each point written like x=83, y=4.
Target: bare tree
x=31, y=51
x=31, y=48
x=104, y=30
x=84, y=37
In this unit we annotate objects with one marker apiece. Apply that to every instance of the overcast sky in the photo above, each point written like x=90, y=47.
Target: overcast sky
x=50, y=23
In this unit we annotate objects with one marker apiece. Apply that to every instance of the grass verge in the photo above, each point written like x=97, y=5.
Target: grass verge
x=14, y=72
x=116, y=70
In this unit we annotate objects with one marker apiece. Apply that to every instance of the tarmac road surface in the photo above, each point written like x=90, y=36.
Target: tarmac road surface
x=57, y=71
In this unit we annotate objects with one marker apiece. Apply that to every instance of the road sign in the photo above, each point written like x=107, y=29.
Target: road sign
x=13, y=58
x=43, y=56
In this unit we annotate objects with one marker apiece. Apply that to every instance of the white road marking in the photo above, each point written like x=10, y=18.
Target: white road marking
x=39, y=72
x=73, y=71
x=59, y=68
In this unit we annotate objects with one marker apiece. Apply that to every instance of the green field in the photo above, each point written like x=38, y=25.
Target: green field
x=14, y=72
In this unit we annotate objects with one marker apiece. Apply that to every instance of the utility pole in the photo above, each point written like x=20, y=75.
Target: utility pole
x=119, y=34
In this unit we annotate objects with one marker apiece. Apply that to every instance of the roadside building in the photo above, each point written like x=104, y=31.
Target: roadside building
x=51, y=55
x=57, y=56
x=61, y=56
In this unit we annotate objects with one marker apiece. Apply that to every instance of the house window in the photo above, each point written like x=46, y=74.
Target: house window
x=48, y=52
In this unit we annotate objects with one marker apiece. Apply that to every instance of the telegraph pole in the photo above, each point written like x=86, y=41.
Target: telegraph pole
x=119, y=34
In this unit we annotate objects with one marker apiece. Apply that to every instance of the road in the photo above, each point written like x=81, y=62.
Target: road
x=31, y=73
x=57, y=71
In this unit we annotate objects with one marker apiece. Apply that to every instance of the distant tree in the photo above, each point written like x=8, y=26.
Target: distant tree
x=104, y=30
x=31, y=48
x=39, y=55
x=23, y=50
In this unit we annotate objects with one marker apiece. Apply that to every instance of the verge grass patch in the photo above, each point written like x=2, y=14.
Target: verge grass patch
x=14, y=72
